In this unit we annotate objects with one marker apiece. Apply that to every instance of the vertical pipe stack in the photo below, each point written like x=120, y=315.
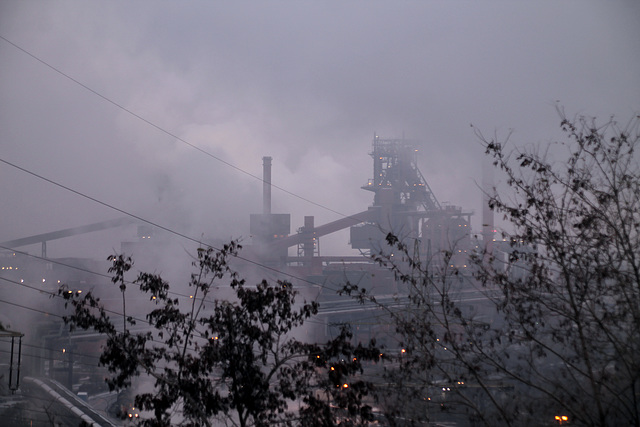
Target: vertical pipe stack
x=488, y=191
x=266, y=185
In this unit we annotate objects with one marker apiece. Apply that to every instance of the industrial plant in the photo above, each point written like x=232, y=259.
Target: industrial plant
x=58, y=362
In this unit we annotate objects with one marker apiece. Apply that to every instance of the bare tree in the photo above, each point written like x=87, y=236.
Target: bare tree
x=546, y=325
x=231, y=360
x=575, y=314
x=438, y=371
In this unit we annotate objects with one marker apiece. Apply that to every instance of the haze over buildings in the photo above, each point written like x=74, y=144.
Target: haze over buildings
x=174, y=114
x=305, y=83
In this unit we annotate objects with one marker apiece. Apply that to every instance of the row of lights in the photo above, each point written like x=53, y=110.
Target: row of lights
x=43, y=281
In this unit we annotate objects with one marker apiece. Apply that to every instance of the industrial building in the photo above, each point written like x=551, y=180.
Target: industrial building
x=402, y=203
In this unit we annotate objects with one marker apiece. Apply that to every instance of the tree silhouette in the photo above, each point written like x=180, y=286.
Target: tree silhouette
x=552, y=324
x=235, y=360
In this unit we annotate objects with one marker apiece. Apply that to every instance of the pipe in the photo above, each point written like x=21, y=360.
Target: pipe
x=266, y=185
x=309, y=232
x=372, y=214
x=19, y=359
x=488, y=191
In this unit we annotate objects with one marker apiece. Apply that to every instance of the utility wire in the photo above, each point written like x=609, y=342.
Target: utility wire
x=137, y=319
x=54, y=295
x=39, y=347
x=39, y=356
x=61, y=317
x=29, y=308
x=323, y=286
x=93, y=199
x=169, y=230
x=54, y=261
x=128, y=282
x=165, y=131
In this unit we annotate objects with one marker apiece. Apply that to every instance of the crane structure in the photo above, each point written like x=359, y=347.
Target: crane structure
x=395, y=165
x=403, y=204
x=67, y=232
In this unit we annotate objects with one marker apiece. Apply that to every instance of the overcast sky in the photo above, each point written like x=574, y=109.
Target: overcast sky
x=306, y=82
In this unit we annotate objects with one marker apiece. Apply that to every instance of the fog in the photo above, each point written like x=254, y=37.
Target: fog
x=110, y=98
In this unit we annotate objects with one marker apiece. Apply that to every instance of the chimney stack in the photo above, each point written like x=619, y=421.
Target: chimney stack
x=488, y=191
x=266, y=185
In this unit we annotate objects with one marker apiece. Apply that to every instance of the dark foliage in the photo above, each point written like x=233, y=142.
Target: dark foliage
x=548, y=322
x=575, y=313
x=235, y=360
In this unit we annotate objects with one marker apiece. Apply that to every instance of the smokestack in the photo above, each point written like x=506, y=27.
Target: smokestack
x=266, y=185
x=488, y=191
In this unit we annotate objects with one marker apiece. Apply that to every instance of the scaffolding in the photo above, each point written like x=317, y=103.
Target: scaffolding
x=395, y=166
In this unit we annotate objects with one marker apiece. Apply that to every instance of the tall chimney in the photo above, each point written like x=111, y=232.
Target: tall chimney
x=266, y=185
x=488, y=191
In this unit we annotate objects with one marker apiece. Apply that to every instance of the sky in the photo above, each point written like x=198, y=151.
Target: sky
x=109, y=99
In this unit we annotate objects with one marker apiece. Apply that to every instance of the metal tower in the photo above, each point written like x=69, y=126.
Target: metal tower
x=395, y=166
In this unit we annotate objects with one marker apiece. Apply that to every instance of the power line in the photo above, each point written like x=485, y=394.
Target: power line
x=169, y=230
x=41, y=357
x=39, y=347
x=323, y=286
x=28, y=308
x=55, y=295
x=54, y=261
x=137, y=319
x=75, y=267
x=100, y=202
x=165, y=131
x=18, y=417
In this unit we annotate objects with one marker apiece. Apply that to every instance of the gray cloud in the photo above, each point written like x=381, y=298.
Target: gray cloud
x=305, y=82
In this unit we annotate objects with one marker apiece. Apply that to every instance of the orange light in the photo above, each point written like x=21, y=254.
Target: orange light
x=345, y=385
